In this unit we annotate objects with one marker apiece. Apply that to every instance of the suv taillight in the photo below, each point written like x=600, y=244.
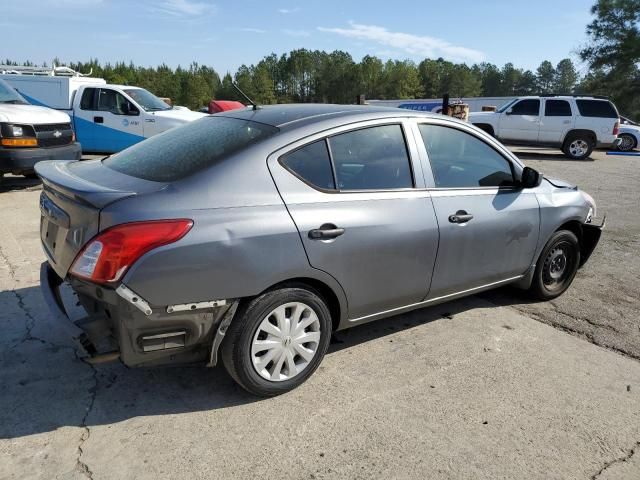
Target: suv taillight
x=106, y=258
x=616, y=129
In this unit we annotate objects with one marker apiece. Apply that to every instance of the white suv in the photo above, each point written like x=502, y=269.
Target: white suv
x=576, y=124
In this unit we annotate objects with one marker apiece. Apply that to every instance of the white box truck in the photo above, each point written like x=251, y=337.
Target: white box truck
x=29, y=134
x=106, y=118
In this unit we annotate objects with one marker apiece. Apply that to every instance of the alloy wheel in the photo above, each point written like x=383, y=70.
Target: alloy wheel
x=626, y=143
x=578, y=148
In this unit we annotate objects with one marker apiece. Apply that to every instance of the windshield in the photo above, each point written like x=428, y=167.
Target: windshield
x=506, y=105
x=147, y=100
x=190, y=148
x=8, y=94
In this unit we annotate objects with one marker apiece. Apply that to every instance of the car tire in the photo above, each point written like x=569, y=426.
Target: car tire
x=557, y=266
x=263, y=351
x=578, y=146
x=627, y=142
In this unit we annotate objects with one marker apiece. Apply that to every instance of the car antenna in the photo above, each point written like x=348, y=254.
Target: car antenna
x=255, y=105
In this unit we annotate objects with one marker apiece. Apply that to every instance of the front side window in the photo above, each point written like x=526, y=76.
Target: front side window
x=112, y=101
x=526, y=107
x=312, y=164
x=460, y=160
x=373, y=158
x=557, y=108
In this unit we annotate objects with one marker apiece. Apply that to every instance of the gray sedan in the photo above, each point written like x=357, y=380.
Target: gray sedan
x=250, y=236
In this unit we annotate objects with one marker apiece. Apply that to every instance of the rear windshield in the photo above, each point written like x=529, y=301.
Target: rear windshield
x=596, y=108
x=190, y=148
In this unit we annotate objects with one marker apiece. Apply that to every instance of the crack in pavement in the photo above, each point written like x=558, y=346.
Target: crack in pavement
x=625, y=458
x=556, y=308
x=30, y=322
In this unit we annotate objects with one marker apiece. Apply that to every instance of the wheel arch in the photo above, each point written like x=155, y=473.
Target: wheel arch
x=581, y=131
x=337, y=305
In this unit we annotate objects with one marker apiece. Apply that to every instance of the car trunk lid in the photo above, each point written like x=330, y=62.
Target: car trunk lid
x=73, y=195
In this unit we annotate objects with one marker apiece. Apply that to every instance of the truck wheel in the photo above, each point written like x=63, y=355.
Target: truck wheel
x=557, y=266
x=578, y=146
x=277, y=341
x=627, y=142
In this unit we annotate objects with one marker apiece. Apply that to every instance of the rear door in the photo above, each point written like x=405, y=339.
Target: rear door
x=357, y=200
x=488, y=226
x=556, y=120
x=521, y=121
x=106, y=121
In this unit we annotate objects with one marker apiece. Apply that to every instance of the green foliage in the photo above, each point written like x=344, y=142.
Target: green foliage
x=613, y=54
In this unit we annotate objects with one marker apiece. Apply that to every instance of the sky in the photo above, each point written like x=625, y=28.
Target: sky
x=226, y=34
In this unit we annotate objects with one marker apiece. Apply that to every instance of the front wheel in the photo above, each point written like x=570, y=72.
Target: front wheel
x=557, y=266
x=578, y=146
x=277, y=341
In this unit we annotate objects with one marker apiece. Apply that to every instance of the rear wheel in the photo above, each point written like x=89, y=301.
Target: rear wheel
x=277, y=341
x=627, y=142
x=557, y=266
x=578, y=146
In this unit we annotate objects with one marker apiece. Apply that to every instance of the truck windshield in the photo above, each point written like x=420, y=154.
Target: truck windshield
x=147, y=100
x=506, y=105
x=8, y=94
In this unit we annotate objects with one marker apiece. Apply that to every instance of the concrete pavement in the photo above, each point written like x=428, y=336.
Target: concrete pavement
x=462, y=390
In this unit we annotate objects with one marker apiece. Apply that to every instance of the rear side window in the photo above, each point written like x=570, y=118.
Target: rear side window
x=596, y=108
x=557, y=108
x=190, y=148
x=86, y=102
x=460, y=160
x=373, y=158
x=526, y=107
x=312, y=164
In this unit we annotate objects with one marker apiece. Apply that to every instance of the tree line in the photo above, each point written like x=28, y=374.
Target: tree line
x=613, y=56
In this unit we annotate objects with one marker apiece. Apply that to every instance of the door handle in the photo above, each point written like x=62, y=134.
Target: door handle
x=327, y=231
x=98, y=119
x=460, y=217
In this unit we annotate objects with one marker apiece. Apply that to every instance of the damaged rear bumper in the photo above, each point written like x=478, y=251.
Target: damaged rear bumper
x=121, y=324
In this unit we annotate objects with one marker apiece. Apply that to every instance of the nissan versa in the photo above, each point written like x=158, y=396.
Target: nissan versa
x=252, y=235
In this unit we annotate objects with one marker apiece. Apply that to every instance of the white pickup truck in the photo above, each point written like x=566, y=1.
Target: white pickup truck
x=106, y=118
x=576, y=124
x=29, y=134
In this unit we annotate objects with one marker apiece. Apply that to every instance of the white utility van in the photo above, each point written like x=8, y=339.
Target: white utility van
x=29, y=134
x=106, y=118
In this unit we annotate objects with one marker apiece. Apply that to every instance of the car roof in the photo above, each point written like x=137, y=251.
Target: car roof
x=290, y=116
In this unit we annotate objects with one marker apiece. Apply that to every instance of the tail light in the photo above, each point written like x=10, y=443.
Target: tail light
x=106, y=258
x=616, y=129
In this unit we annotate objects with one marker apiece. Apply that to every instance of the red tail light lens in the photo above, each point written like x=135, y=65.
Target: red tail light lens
x=616, y=128
x=106, y=258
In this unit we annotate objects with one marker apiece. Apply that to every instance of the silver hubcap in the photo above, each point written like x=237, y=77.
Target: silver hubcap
x=626, y=143
x=285, y=342
x=578, y=148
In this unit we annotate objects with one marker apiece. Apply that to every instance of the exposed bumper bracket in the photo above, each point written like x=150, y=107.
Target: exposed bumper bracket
x=220, y=332
x=183, y=307
x=134, y=299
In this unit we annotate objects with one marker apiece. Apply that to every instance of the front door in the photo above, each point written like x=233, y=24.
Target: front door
x=107, y=121
x=354, y=200
x=488, y=226
x=521, y=122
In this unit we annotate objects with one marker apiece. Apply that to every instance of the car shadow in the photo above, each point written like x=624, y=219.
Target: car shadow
x=8, y=184
x=46, y=386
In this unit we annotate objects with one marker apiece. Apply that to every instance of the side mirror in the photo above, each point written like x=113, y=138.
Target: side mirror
x=508, y=112
x=530, y=178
